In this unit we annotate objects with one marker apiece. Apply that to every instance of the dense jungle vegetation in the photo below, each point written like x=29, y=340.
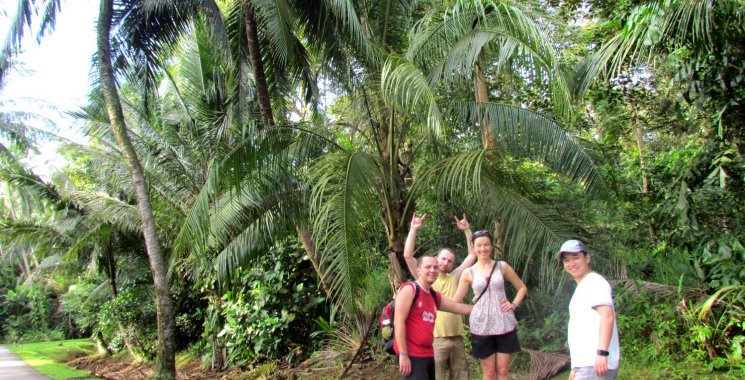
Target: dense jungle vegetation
x=252, y=167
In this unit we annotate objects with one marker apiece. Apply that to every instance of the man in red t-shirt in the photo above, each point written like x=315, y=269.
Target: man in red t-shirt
x=414, y=323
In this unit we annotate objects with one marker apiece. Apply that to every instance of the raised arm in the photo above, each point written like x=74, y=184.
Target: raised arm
x=404, y=299
x=463, y=225
x=515, y=280
x=463, y=285
x=410, y=245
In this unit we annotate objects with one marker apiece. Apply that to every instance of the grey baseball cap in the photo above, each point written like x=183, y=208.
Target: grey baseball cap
x=571, y=246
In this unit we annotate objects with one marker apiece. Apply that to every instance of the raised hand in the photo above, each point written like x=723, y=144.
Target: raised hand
x=416, y=221
x=462, y=223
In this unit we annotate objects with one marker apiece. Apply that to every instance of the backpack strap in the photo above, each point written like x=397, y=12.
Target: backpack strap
x=431, y=291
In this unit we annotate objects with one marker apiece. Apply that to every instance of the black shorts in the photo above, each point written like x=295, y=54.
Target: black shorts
x=482, y=346
x=421, y=368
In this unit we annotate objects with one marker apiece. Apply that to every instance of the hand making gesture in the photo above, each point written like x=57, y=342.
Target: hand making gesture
x=416, y=221
x=462, y=223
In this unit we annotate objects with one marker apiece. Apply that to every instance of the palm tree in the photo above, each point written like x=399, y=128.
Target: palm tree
x=166, y=363
x=509, y=38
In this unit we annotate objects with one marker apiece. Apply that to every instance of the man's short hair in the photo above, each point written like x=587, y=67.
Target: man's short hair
x=421, y=258
x=446, y=249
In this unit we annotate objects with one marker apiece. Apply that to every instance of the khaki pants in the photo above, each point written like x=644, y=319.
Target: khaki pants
x=450, y=354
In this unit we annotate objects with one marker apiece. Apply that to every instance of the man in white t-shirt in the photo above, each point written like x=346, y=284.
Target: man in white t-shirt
x=592, y=334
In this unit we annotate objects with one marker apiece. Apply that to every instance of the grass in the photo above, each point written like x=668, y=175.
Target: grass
x=49, y=357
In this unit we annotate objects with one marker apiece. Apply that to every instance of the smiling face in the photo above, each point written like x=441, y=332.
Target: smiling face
x=445, y=261
x=427, y=269
x=482, y=247
x=577, y=264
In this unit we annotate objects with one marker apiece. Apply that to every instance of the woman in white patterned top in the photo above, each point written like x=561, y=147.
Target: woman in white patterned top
x=492, y=321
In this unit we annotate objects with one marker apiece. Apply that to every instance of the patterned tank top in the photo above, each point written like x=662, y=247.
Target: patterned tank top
x=487, y=317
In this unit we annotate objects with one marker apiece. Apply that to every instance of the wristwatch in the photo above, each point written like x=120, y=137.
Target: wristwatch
x=603, y=353
x=403, y=353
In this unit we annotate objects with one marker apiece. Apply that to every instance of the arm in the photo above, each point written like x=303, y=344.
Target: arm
x=404, y=299
x=446, y=304
x=463, y=285
x=410, y=244
x=515, y=280
x=471, y=258
x=607, y=318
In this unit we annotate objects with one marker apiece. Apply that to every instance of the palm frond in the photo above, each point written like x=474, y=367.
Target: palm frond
x=123, y=216
x=485, y=181
x=531, y=135
x=404, y=85
x=20, y=20
x=448, y=45
x=654, y=27
x=343, y=200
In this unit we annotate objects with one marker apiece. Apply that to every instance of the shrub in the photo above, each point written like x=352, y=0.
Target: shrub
x=28, y=308
x=270, y=309
x=718, y=329
x=134, y=310
x=78, y=306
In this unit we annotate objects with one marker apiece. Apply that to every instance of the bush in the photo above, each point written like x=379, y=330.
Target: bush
x=717, y=329
x=544, y=318
x=81, y=309
x=270, y=309
x=134, y=310
x=650, y=329
x=28, y=312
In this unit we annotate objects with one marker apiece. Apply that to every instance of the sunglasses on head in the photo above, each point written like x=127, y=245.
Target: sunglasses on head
x=482, y=233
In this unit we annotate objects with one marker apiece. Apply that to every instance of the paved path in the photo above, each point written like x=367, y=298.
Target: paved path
x=12, y=368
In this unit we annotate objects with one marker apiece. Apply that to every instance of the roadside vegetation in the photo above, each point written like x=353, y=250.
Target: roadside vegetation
x=252, y=167
x=49, y=357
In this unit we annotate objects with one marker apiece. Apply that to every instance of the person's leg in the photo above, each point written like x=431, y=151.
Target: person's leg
x=503, y=366
x=489, y=367
x=443, y=349
x=458, y=363
x=431, y=368
x=507, y=344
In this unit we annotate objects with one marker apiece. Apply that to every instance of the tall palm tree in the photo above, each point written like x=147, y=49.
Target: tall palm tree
x=166, y=363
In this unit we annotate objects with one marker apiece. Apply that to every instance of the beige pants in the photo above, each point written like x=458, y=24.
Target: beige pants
x=450, y=356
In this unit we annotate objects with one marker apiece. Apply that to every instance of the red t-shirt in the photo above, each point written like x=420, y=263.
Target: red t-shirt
x=420, y=324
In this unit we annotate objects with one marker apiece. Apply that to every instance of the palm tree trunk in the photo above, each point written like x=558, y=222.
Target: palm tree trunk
x=482, y=96
x=166, y=362
x=254, y=52
x=306, y=239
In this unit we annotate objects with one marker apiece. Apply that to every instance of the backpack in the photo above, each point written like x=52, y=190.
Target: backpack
x=386, y=319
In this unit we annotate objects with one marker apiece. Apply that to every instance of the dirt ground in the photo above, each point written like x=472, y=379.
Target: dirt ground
x=121, y=367
x=320, y=367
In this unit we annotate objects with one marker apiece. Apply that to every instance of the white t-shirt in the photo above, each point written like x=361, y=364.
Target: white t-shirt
x=584, y=322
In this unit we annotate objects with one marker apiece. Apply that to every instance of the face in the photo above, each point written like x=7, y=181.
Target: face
x=576, y=264
x=445, y=261
x=427, y=269
x=482, y=247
